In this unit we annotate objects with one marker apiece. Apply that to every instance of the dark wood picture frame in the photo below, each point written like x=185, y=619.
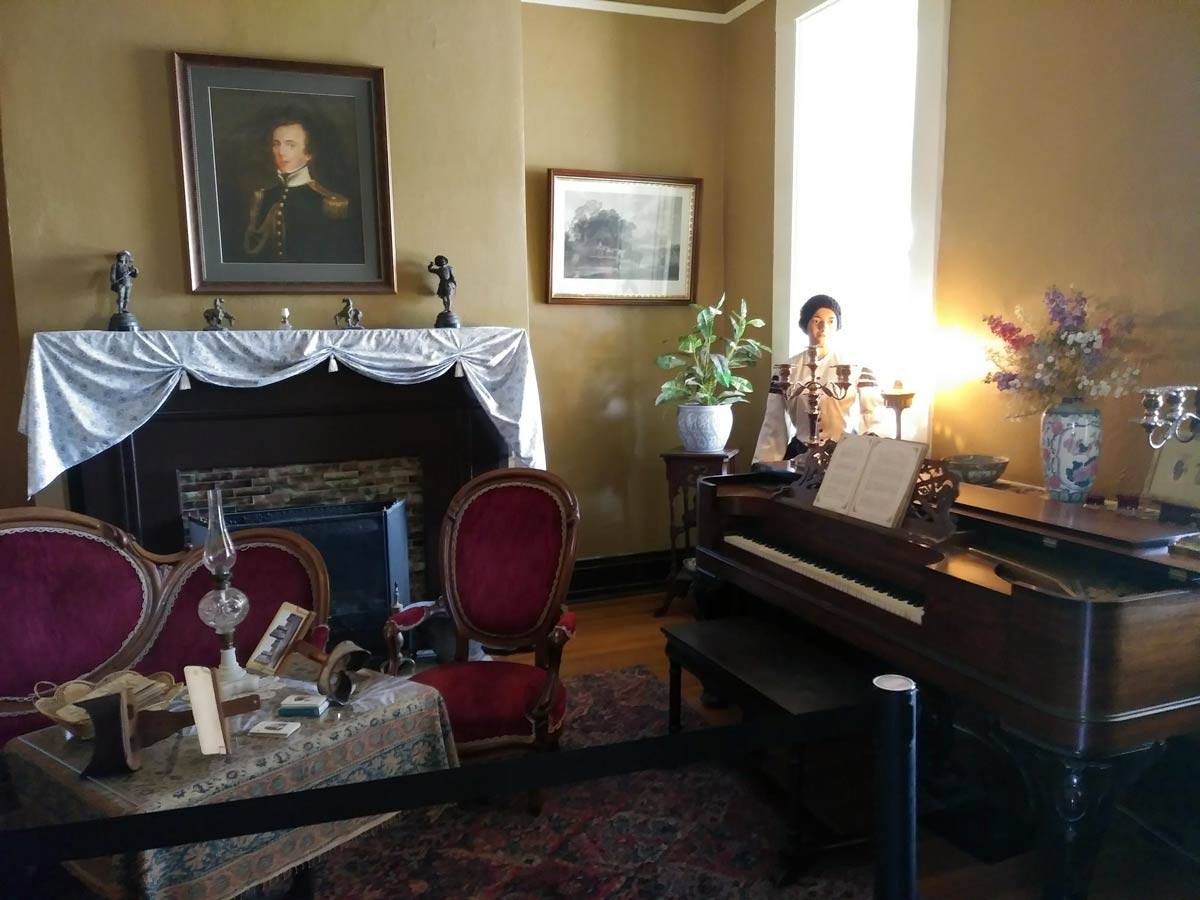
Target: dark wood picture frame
x=243, y=237
x=626, y=204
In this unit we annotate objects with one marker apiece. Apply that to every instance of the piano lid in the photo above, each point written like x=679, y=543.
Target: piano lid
x=1067, y=520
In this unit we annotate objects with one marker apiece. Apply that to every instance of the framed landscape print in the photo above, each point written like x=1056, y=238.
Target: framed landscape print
x=626, y=239
x=285, y=173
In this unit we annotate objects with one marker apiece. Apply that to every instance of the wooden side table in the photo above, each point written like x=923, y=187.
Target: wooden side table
x=683, y=468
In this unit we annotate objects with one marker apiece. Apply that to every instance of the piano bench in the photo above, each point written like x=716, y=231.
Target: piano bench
x=765, y=670
x=768, y=671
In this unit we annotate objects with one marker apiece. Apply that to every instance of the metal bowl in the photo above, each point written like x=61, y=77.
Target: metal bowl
x=976, y=468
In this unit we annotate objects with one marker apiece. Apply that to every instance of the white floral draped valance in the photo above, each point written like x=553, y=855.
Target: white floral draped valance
x=86, y=391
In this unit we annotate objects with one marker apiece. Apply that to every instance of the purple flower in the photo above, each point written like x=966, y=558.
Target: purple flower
x=1066, y=313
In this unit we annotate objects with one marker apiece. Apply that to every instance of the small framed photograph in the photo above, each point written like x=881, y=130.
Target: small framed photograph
x=287, y=626
x=622, y=239
x=285, y=174
x=1175, y=474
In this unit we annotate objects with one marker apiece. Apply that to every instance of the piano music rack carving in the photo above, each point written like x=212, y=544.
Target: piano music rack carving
x=928, y=516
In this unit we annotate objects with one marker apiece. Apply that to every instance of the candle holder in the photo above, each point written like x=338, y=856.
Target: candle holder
x=898, y=400
x=812, y=389
x=224, y=607
x=1164, y=414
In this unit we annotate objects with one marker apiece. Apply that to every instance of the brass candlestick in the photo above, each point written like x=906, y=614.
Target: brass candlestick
x=898, y=400
x=812, y=389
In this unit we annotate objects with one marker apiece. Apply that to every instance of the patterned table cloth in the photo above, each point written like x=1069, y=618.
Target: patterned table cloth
x=405, y=731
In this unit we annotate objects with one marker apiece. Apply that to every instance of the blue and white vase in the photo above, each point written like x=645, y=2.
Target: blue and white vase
x=1070, y=449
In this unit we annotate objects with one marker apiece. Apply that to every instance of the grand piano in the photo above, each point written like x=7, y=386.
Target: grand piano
x=1071, y=630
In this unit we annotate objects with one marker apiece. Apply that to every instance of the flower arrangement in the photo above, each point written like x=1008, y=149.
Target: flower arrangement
x=1071, y=358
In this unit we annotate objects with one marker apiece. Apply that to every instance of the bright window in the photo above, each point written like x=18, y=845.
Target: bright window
x=858, y=171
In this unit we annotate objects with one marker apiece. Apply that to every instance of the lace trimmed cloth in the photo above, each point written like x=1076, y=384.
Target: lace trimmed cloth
x=86, y=391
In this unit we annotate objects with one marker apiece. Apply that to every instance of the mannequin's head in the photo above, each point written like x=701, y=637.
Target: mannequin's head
x=820, y=317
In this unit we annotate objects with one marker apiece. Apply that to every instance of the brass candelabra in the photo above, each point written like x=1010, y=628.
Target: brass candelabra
x=811, y=389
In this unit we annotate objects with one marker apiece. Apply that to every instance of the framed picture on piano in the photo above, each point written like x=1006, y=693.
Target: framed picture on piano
x=1175, y=474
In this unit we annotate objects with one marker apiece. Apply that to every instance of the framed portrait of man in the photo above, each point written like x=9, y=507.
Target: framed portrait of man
x=285, y=172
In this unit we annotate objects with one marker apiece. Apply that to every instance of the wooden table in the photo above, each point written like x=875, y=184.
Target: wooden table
x=683, y=468
x=406, y=731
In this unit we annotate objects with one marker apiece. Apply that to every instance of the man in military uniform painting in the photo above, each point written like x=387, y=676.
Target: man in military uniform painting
x=296, y=219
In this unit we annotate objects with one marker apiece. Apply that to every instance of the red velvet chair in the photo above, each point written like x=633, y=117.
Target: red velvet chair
x=507, y=553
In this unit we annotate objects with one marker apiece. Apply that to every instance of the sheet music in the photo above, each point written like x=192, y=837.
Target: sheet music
x=844, y=472
x=886, y=486
x=871, y=478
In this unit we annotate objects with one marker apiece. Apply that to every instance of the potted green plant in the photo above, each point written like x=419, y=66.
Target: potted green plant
x=705, y=387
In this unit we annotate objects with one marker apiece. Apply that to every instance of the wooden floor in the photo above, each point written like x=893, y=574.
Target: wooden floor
x=614, y=634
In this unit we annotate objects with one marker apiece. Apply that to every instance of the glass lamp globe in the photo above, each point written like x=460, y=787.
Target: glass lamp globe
x=224, y=607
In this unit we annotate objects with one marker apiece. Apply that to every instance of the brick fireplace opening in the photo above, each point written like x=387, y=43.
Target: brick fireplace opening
x=354, y=512
x=246, y=489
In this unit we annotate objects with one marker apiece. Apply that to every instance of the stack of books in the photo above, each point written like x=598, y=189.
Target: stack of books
x=303, y=705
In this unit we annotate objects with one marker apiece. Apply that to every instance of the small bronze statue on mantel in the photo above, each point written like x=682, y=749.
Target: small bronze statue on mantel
x=348, y=318
x=120, y=282
x=217, y=317
x=440, y=267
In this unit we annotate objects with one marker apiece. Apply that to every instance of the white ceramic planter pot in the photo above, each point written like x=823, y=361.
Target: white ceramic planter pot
x=704, y=429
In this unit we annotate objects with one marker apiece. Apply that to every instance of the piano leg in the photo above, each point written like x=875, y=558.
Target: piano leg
x=711, y=596
x=712, y=602
x=1074, y=800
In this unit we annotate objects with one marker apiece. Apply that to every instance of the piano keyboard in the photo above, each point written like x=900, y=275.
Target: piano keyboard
x=854, y=585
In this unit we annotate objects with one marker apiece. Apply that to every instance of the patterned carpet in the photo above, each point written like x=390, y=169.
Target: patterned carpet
x=701, y=831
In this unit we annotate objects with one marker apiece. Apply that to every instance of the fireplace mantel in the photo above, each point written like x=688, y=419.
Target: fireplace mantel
x=87, y=391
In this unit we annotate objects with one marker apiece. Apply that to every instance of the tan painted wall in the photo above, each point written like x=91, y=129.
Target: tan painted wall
x=88, y=96
x=749, y=125
x=1054, y=172
x=622, y=94
x=1071, y=157
x=12, y=444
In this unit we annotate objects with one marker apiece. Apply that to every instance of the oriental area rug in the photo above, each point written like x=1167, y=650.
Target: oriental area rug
x=700, y=831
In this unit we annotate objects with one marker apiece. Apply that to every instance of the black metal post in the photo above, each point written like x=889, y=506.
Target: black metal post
x=896, y=788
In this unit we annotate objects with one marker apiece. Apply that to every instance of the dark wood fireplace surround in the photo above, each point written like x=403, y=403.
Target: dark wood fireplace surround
x=317, y=416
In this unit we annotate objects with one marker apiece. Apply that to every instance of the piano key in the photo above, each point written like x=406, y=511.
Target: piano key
x=854, y=585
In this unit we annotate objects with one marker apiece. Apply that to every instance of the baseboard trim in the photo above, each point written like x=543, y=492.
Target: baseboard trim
x=608, y=576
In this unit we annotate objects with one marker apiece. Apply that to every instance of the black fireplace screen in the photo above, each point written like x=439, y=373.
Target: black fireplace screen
x=365, y=547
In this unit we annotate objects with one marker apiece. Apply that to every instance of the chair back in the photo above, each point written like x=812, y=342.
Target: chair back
x=82, y=599
x=507, y=554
